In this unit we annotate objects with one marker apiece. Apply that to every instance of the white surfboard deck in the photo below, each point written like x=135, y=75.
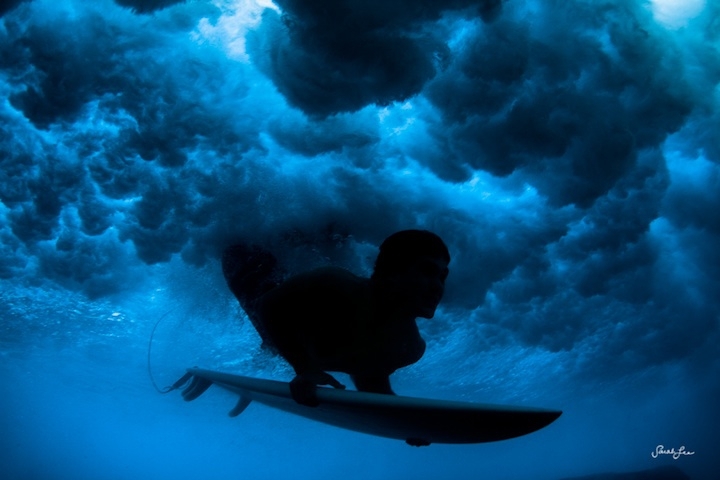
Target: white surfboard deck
x=418, y=421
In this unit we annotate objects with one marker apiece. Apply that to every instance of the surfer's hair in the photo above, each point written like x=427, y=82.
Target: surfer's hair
x=400, y=249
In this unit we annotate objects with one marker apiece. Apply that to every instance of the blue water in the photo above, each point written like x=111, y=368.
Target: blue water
x=566, y=153
x=77, y=402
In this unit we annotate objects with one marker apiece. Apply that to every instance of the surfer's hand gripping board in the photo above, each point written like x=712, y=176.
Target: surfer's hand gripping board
x=303, y=386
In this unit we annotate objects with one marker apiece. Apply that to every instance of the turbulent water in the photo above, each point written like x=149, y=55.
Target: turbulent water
x=565, y=151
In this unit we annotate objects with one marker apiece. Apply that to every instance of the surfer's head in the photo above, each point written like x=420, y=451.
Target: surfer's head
x=400, y=249
x=411, y=267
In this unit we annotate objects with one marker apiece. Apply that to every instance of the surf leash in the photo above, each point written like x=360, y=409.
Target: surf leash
x=182, y=381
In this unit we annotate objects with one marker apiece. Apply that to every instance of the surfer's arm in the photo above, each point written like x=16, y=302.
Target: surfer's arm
x=298, y=349
x=308, y=374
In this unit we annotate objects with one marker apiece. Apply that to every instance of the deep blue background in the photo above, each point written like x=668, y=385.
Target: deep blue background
x=566, y=152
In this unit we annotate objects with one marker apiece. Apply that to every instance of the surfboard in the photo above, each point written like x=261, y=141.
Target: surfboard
x=418, y=421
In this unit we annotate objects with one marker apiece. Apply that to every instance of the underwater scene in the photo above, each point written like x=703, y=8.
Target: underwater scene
x=566, y=154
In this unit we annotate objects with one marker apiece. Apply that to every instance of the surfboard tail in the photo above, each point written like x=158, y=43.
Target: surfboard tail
x=197, y=387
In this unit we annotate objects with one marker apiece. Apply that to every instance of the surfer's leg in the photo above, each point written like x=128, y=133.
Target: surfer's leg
x=373, y=383
x=251, y=271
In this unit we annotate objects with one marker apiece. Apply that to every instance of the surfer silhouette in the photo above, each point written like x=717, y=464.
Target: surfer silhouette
x=330, y=320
